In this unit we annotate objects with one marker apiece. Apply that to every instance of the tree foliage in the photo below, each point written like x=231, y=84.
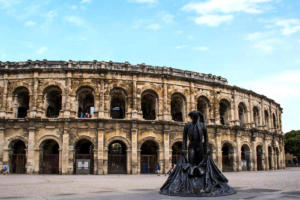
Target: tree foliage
x=292, y=142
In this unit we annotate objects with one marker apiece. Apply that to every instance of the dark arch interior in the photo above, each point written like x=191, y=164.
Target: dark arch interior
x=53, y=98
x=227, y=157
x=117, y=159
x=85, y=98
x=177, y=103
x=18, y=157
x=49, y=161
x=149, y=159
x=224, y=112
x=202, y=105
x=176, y=152
x=259, y=156
x=22, y=97
x=149, y=106
x=245, y=154
x=117, y=104
x=84, y=156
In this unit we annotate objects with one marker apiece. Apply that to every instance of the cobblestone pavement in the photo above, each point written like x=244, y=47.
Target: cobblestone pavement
x=282, y=184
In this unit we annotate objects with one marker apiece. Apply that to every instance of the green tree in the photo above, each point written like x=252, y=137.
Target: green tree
x=292, y=142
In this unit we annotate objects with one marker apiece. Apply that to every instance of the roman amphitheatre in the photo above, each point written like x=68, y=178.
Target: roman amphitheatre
x=95, y=117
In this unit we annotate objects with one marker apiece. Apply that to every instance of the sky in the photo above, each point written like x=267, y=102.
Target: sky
x=255, y=44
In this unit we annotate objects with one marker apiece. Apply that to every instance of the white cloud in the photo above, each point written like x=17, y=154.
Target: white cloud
x=201, y=48
x=226, y=6
x=42, y=50
x=30, y=23
x=144, y=1
x=288, y=26
x=213, y=20
x=153, y=27
x=75, y=20
x=215, y=12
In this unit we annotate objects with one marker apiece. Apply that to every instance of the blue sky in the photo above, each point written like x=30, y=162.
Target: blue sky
x=255, y=44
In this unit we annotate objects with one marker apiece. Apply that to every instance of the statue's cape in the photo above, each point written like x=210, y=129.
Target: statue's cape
x=204, y=179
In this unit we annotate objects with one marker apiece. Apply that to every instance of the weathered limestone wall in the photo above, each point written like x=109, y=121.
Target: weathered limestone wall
x=133, y=130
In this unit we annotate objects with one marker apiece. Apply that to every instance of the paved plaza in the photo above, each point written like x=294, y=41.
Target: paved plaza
x=281, y=184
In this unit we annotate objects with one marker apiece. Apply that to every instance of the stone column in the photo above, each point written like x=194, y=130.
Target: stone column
x=250, y=120
x=2, y=129
x=67, y=106
x=238, y=150
x=192, y=100
x=254, y=157
x=3, y=108
x=166, y=113
x=100, y=151
x=235, y=111
x=134, y=150
x=65, y=152
x=166, y=135
x=101, y=99
x=34, y=110
x=134, y=112
x=219, y=149
x=128, y=157
x=31, y=165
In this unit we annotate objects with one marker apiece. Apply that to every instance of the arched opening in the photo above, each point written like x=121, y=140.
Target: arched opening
x=149, y=157
x=149, y=104
x=277, y=158
x=85, y=98
x=242, y=114
x=274, y=121
x=270, y=157
x=53, y=98
x=21, y=99
x=245, y=154
x=203, y=106
x=84, y=157
x=259, y=157
x=256, y=116
x=177, y=107
x=117, y=159
x=176, y=152
x=227, y=157
x=49, y=157
x=18, y=157
x=266, y=119
x=117, y=103
x=224, y=112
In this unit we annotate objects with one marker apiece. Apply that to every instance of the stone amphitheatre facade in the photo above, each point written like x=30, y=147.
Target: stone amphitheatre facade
x=105, y=117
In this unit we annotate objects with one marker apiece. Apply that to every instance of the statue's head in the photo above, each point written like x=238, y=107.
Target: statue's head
x=194, y=115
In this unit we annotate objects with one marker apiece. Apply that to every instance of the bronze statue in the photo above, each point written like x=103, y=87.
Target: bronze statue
x=199, y=175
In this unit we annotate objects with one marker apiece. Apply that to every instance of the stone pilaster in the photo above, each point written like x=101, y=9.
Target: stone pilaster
x=167, y=150
x=219, y=149
x=1, y=145
x=134, y=101
x=100, y=151
x=65, y=152
x=3, y=108
x=31, y=165
x=238, y=150
x=134, y=150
